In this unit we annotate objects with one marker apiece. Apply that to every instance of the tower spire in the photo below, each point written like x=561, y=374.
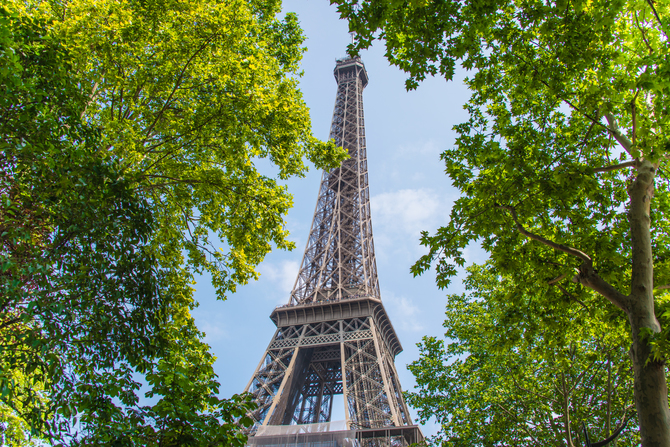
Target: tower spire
x=339, y=260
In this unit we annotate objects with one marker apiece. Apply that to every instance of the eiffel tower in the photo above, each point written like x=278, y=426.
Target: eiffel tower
x=334, y=336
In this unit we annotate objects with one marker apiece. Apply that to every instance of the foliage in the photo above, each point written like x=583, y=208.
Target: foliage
x=14, y=430
x=659, y=342
x=562, y=164
x=73, y=234
x=509, y=376
x=189, y=95
x=130, y=133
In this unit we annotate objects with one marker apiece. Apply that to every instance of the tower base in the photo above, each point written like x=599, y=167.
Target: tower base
x=328, y=435
x=322, y=350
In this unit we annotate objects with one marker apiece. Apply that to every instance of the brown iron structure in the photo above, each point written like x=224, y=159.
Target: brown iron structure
x=334, y=336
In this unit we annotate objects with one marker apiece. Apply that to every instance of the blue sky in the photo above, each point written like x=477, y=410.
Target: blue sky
x=405, y=132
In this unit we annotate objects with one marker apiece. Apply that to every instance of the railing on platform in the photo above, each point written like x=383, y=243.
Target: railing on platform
x=334, y=434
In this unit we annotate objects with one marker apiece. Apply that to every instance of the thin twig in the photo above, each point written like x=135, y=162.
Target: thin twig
x=555, y=280
x=644, y=38
x=651, y=3
x=569, y=295
x=616, y=133
x=588, y=133
x=175, y=88
x=560, y=247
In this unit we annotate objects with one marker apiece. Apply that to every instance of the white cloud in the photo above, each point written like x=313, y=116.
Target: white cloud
x=408, y=210
x=426, y=148
x=213, y=330
x=282, y=274
x=403, y=312
x=211, y=322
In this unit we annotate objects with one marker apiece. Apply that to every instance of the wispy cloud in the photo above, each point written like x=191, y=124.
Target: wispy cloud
x=403, y=312
x=408, y=210
x=212, y=328
x=282, y=274
x=429, y=148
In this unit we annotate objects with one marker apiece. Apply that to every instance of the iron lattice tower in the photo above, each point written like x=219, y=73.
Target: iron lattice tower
x=334, y=336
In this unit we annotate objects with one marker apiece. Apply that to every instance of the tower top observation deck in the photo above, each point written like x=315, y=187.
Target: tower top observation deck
x=350, y=66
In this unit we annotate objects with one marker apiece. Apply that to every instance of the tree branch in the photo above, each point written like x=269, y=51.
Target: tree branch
x=613, y=436
x=644, y=38
x=581, y=375
x=91, y=98
x=588, y=277
x=10, y=322
x=653, y=9
x=564, y=248
x=569, y=295
x=628, y=164
x=557, y=279
x=616, y=133
x=588, y=132
x=519, y=387
x=594, y=120
x=521, y=423
x=175, y=88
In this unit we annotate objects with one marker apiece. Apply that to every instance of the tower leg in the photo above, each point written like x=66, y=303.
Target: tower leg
x=307, y=365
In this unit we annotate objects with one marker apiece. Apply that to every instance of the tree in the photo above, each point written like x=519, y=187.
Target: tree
x=73, y=235
x=562, y=164
x=508, y=377
x=130, y=134
x=189, y=96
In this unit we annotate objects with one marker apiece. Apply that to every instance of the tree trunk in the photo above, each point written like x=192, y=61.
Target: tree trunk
x=608, y=423
x=651, y=392
x=566, y=413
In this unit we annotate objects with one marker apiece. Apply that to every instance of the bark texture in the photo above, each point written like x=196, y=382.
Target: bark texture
x=651, y=392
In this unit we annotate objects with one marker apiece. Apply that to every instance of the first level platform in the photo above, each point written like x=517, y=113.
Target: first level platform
x=335, y=434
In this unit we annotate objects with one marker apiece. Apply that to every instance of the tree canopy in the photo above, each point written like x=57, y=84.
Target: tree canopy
x=562, y=164
x=130, y=134
x=507, y=375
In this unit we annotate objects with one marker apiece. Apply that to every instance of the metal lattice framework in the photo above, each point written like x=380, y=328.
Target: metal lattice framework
x=302, y=371
x=339, y=260
x=334, y=336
